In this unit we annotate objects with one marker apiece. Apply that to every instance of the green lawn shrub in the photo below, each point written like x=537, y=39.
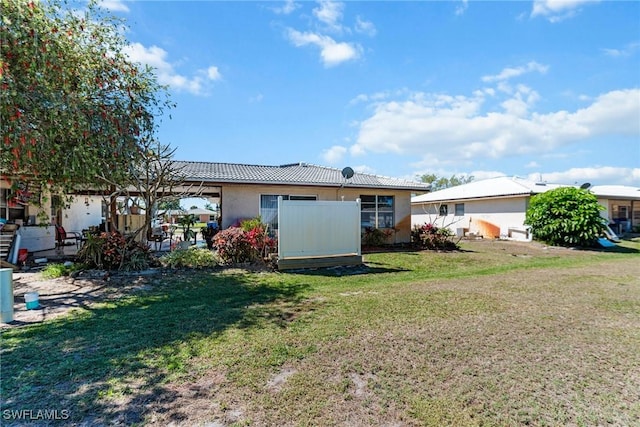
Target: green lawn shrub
x=566, y=216
x=430, y=236
x=189, y=258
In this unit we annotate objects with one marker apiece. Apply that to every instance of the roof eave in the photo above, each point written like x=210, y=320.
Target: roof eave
x=472, y=198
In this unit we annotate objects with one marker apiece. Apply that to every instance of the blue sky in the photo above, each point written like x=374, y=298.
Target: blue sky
x=542, y=89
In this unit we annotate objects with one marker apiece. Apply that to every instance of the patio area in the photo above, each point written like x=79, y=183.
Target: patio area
x=69, y=252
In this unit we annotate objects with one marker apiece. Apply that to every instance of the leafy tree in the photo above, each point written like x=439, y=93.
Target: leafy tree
x=440, y=182
x=169, y=204
x=72, y=104
x=566, y=216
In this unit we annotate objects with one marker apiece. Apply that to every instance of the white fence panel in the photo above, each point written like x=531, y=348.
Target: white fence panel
x=318, y=228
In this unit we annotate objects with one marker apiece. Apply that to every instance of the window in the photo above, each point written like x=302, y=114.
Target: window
x=377, y=211
x=269, y=208
x=10, y=209
x=444, y=210
x=459, y=209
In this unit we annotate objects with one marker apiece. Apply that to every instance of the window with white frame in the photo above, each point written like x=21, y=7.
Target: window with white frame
x=269, y=207
x=459, y=209
x=444, y=210
x=377, y=211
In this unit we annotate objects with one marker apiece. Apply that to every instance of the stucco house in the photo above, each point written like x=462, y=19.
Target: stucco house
x=240, y=191
x=246, y=191
x=496, y=207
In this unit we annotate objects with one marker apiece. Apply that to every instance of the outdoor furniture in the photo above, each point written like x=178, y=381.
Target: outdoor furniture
x=158, y=235
x=64, y=237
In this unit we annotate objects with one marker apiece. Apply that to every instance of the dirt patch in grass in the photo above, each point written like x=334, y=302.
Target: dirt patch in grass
x=60, y=295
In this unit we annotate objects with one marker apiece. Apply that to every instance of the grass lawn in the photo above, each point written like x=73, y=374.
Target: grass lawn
x=500, y=334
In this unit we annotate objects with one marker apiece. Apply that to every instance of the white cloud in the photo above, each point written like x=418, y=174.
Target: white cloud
x=532, y=164
x=334, y=155
x=523, y=99
x=447, y=130
x=628, y=50
x=363, y=97
x=157, y=58
x=598, y=175
x=289, y=7
x=331, y=52
x=330, y=14
x=365, y=27
x=328, y=20
x=557, y=10
x=114, y=5
x=509, y=73
x=364, y=169
x=462, y=8
x=255, y=99
x=213, y=73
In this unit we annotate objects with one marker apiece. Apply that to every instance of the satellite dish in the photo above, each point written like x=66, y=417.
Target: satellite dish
x=585, y=185
x=347, y=172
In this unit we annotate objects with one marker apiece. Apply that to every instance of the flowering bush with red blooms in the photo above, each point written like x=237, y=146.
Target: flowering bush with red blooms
x=430, y=236
x=260, y=240
x=233, y=245
x=237, y=245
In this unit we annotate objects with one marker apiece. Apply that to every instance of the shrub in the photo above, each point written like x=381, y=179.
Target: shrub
x=235, y=244
x=250, y=224
x=112, y=251
x=375, y=236
x=189, y=258
x=566, y=216
x=260, y=240
x=53, y=271
x=429, y=236
x=188, y=222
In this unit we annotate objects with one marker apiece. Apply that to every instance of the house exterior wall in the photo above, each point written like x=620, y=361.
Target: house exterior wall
x=620, y=220
x=35, y=231
x=80, y=215
x=508, y=214
x=240, y=202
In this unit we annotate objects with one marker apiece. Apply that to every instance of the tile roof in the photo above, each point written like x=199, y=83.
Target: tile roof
x=290, y=174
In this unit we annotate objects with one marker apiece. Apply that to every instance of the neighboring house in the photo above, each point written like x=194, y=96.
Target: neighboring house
x=497, y=207
x=247, y=191
x=622, y=206
x=170, y=216
x=202, y=215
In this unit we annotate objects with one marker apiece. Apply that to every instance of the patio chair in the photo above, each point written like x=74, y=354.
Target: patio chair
x=158, y=235
x=64, y=237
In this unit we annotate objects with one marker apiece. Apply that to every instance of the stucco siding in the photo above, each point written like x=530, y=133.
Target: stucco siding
x=240, y=202
x=504, y=213
x=79, y=216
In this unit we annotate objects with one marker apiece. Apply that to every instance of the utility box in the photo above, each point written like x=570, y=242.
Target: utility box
x=6, y=295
